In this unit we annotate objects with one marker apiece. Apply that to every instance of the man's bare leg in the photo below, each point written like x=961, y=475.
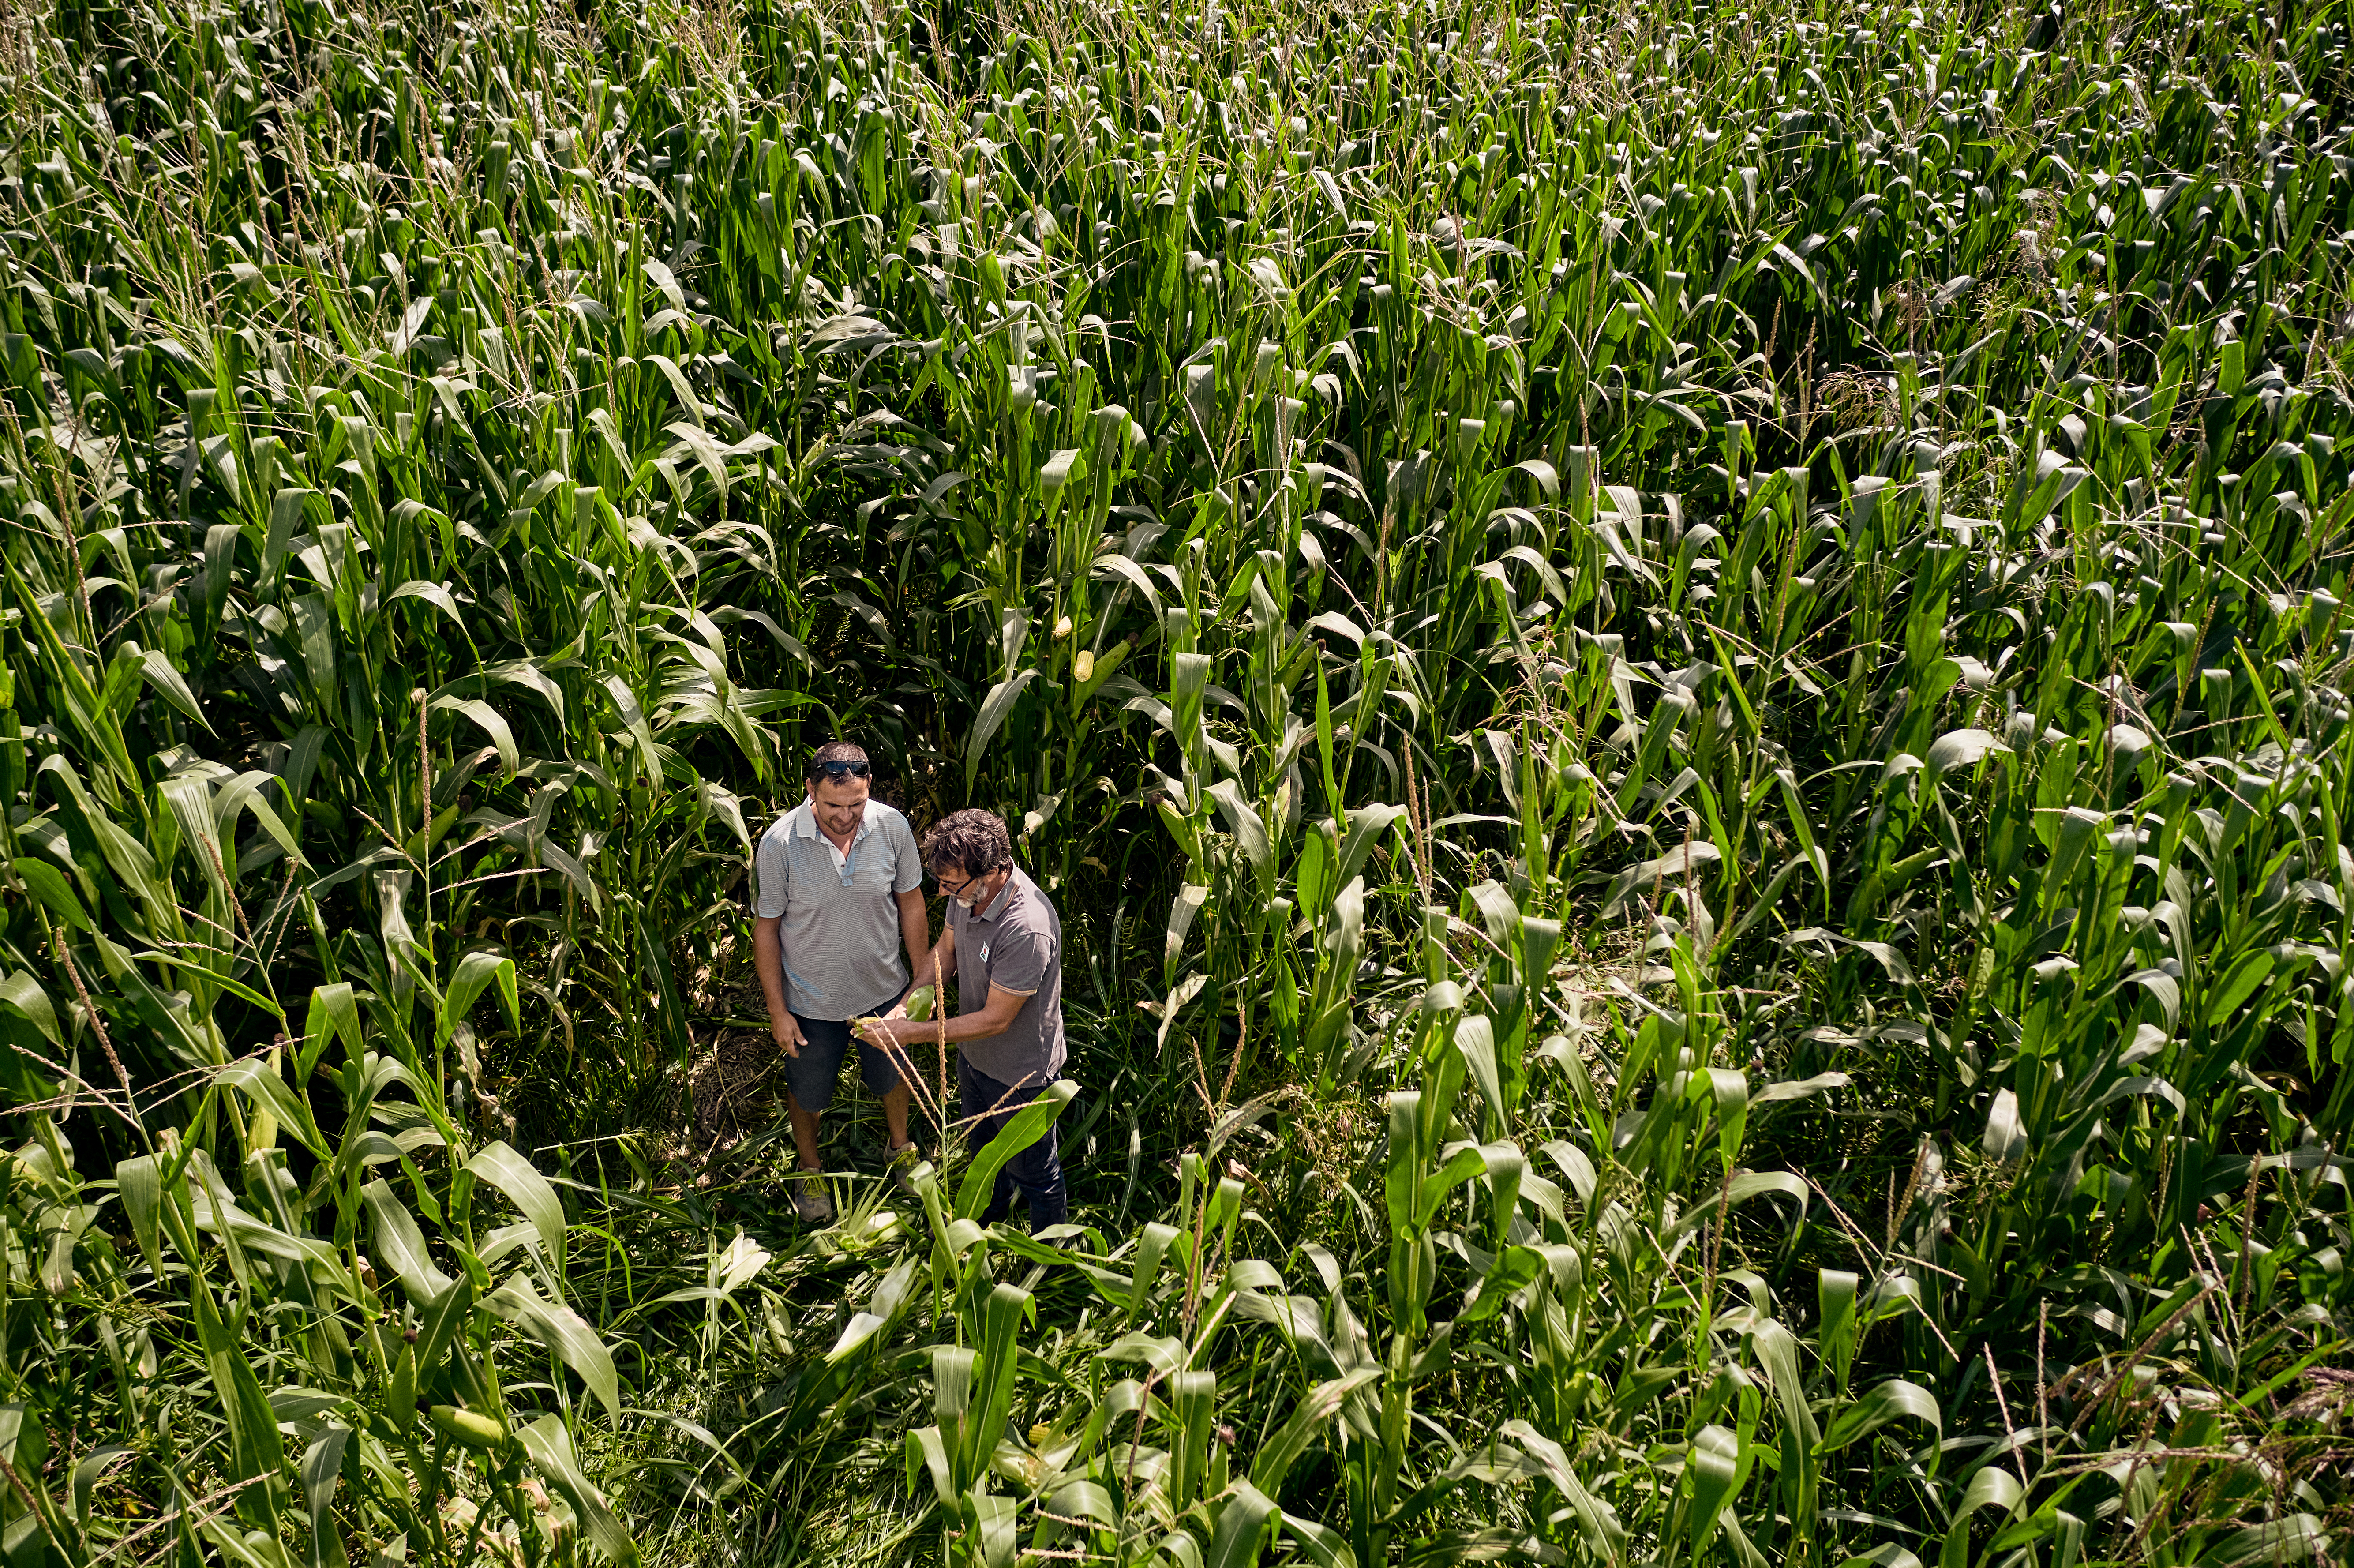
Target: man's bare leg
x=894, y=1113
x=805, y=1131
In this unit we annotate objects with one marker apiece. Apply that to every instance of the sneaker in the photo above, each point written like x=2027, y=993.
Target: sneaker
x=809, y=1200
x=901, y=1163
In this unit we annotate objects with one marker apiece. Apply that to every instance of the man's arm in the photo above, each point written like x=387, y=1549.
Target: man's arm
x=936, y=963
x=769, y=962
x=916, y=930
x=942, y=964
x=994, y=1017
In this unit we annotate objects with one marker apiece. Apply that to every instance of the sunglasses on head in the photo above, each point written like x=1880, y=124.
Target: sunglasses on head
x=839, y=770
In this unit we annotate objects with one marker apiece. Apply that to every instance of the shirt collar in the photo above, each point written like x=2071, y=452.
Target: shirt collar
x=805, y=826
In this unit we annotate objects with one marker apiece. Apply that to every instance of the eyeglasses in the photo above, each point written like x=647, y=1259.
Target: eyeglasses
x=952, y=891
x=836, y=771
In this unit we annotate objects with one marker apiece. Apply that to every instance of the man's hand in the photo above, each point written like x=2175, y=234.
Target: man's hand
x=882, y=1033
x=769, y=962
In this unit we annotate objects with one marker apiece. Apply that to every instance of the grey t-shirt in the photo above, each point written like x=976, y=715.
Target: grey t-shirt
x=839, y=929
x=1015, y=944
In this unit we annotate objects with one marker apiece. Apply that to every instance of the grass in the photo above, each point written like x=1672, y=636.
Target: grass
x=1682, y=678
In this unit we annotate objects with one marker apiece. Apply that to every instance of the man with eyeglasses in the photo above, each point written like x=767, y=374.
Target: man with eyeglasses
x=1006, y=942
x=838, y=889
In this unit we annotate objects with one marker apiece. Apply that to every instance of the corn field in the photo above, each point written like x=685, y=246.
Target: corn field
x=1682, y=672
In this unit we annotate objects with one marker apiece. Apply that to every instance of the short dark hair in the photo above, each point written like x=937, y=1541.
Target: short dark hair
x=973, y=842
x=832, y=751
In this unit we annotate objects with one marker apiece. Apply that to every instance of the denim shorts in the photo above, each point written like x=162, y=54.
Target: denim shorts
x=813, y=1072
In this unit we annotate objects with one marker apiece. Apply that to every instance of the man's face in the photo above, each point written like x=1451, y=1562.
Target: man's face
x=965, y=890
x=839, y=805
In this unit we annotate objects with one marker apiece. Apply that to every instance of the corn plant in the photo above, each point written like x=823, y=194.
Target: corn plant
x=1683, y=677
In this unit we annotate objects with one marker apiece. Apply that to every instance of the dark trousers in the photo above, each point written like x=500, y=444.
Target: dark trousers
x=1035, y=1173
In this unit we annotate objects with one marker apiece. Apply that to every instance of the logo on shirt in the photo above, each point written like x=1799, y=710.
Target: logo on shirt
x=984, y=952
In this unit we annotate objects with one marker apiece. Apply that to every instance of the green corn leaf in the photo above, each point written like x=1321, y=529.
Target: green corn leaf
x=2297, y=1537
x=1244, y=821
x=402, y=1245
x=256, y=1452
x=994, y=708
x=548, y=1445
x=1239, y=1527
x=334, y=1014
x=1993, y=1486
x=1961, y=748
x=928, y=1455
x=883, y=1309
x=564, y=1331
x=1728, y=1089
x=23, y=995
x=2005, y=1135
x=203, y=976
x=993, y=1519
x=1516, y=1268
x=139, y=1181
x=1402, y=1169
x=322, y=1462
x=86, y=1475
x=1475, y=1039
x=1876, y=1407
x=476, y=971
x=492, y=725
x=1835, y=1333
x=1151, y=1247
x=1711, y=1463
x=55, y=893
x=172, y=686
x=259, y=1082
x=1026, y=1127
x=445, y=1318
x=436, y=594
x=696, y=442
x=1596, y=1521
x=1887, y=1555
x=1164, y=1354
x=1432, y=1189
x=994, y=1371
x=533, y=1197
x=1748, y=1185
x=1321, y=1403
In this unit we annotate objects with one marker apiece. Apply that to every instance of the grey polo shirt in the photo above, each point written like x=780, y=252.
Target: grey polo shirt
x=840, y=915
x=1017, y=944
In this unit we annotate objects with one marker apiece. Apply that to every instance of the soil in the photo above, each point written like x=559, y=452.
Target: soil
x=734, y=1091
